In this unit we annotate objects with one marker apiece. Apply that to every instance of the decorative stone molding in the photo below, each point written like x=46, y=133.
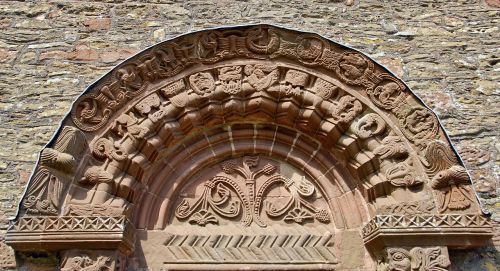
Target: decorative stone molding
x=56, y=233
x=255, y=125
x=430, y=229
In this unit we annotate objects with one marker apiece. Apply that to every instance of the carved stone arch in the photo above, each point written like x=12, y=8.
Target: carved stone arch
x=251, y=146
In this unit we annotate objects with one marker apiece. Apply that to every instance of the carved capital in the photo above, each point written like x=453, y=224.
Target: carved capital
x=414, y=259
x=92, y=260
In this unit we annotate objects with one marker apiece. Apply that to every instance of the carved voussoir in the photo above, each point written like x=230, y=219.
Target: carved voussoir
x=55, y=233
x=397, y=164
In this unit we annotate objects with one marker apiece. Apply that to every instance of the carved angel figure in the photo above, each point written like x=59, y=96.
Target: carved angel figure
x=56, y=167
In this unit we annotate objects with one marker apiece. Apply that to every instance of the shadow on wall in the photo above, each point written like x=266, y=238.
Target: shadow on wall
x=482, y=259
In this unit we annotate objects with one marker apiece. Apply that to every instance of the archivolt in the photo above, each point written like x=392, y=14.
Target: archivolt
x=203, y=97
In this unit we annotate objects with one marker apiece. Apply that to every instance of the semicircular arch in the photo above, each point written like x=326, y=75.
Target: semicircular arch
x=230, y=124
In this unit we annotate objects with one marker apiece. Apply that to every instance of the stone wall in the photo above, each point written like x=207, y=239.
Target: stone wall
x=447, y=52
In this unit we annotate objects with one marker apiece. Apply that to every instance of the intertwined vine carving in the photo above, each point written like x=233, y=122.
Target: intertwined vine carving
x=226, y=198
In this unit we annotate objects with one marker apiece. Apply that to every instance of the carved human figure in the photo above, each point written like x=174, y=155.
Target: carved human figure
x=101, y=182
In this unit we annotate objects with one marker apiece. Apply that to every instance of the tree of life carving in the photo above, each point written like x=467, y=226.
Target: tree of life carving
x=226, y=198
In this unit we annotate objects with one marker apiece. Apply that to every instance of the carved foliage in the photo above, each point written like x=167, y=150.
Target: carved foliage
x=250, y=201
x=415, y=259
x=388, y=94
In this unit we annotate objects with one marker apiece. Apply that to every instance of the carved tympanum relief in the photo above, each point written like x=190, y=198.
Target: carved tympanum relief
x=251, y=190
x=378, y=155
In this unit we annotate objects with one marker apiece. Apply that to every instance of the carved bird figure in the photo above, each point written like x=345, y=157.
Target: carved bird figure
x=453, y=194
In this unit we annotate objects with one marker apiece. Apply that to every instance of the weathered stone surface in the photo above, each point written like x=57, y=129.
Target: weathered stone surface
x=48, y=55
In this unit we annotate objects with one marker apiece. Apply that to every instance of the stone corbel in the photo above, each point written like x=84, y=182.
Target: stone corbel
x=414, y=259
